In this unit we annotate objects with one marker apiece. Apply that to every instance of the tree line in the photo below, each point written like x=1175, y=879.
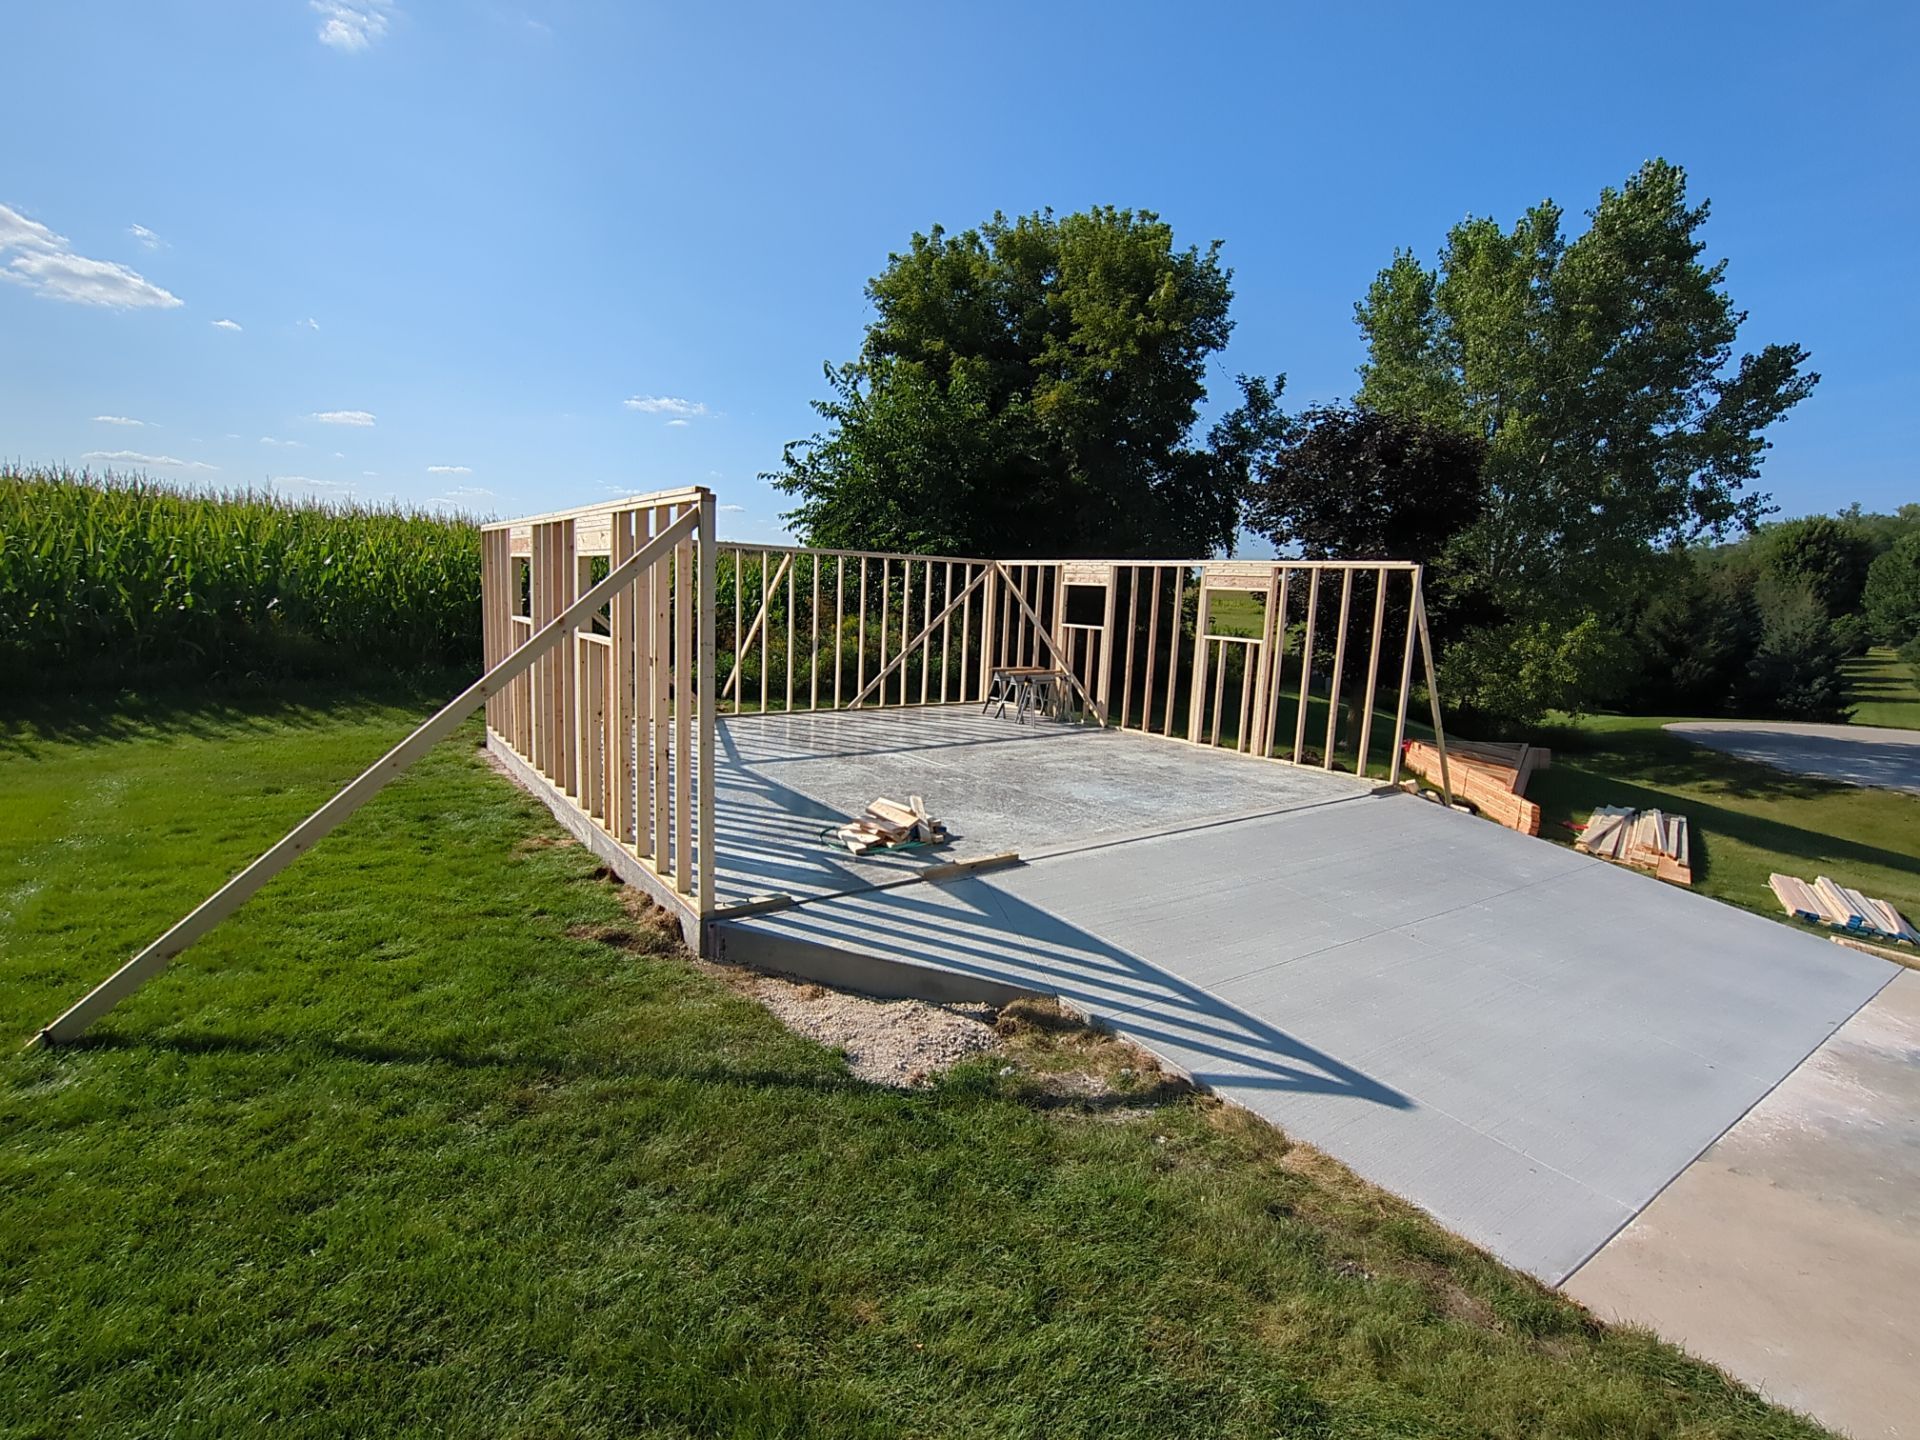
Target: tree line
x=1562, y=428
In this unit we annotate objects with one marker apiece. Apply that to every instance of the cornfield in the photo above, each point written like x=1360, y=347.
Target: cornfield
x=111, y=576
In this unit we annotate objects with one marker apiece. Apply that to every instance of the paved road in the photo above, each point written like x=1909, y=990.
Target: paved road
x=1790, y=1252
x=1887, y=759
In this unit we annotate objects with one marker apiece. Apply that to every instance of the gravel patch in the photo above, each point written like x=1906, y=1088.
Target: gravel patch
x=903, y=1043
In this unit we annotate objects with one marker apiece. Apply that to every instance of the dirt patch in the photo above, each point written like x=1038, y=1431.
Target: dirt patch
x=1056, y=1058
x=888, y=1042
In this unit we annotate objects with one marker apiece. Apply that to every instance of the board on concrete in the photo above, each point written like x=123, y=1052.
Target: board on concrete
x=1789, y=1254
x=1526, y=1042
x=1877, y=756
x=996, y=783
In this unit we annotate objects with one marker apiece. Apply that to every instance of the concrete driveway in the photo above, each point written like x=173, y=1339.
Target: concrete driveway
x=1790, y=1252
x=1886, y=759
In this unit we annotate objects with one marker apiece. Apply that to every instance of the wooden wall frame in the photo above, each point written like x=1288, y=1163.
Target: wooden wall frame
x=603, y=697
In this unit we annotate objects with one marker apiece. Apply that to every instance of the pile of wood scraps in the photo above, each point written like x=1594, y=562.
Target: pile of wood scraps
x=1825, y=903
x=1489, y=776
x=889, y=825
x=1645, y=839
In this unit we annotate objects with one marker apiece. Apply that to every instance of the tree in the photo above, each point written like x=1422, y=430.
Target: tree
x=1720, y=634
x=1030, y=387
x=1697, y=632
x=1828, y=556
x=1600, y=374
x=1892, y=595
x=1344, y=482
x=1799, y=671
x=1882, y=530
x=1339, y=482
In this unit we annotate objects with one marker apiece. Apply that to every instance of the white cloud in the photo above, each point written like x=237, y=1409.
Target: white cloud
x=226, y=324
x=371, y=474
x=17, y=232
x=449, y=469
x=339, y=454
x=118, y=420
x=468, y=492
x=158, y=462
x=671, y=423
x=64, y=276
x=345, y=487
x=666, y=405
x=145, y=236
x=734, y=509
x=289, y=444
x=42, y=262
x=350, y=25
x=311, y=323
x=343, y=417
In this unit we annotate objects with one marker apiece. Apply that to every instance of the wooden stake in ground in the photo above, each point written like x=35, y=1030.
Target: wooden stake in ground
x=302, y=838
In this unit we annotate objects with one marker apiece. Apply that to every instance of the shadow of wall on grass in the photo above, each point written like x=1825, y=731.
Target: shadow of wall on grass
x=214, y=710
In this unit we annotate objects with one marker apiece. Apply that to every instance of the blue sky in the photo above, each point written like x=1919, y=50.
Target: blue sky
x=519, y=255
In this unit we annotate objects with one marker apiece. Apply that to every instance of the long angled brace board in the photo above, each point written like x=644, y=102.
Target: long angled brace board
x=237, y=891
x=1433, y=687
x=732, y=691
x=1040, y=632
x=927, y=630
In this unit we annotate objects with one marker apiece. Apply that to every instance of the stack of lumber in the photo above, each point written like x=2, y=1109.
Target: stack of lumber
x=1825, y=903
x=1489, y=776
x=1645, y=839
x=890, y=825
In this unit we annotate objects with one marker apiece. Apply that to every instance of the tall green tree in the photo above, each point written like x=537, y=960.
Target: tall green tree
x=1892, y=597
x=1031, y=387
x=1828, y=556
x=1601, y=374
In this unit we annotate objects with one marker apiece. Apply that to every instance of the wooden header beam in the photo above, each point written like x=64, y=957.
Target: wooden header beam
x=689, y=494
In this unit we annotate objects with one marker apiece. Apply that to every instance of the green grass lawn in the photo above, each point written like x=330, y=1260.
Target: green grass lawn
x=437, y=1136
x=1884, y=689
x=1745, y=820
x=1235, y=612
x=1749, y=820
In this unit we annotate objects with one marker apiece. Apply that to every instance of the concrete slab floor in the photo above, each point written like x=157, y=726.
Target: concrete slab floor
x=1528, y=1043
x=997, y=784
x=1789, y=1254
